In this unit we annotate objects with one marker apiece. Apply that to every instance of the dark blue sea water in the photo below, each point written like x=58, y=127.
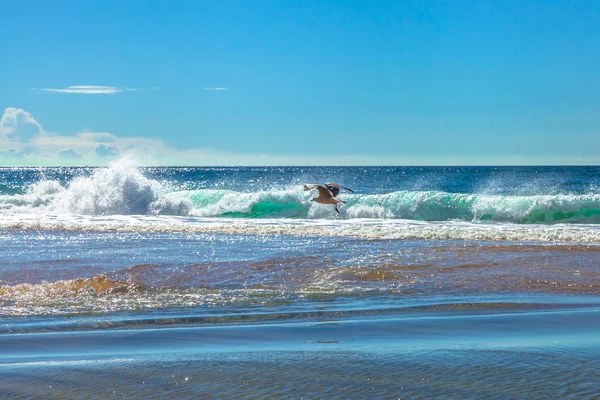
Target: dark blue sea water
x=447, y=282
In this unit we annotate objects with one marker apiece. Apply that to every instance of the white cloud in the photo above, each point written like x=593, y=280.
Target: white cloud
x=106, y=151
x=13, y=153
x=69, y=153
x=88, y=89
x=102, y=137
x=218, y=89
x=23, y=141
x=17, y=123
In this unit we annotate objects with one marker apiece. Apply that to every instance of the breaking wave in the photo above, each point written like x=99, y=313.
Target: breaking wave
x=411, y=205
x=122, y=189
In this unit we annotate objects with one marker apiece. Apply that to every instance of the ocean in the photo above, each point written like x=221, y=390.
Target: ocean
x=228, y=282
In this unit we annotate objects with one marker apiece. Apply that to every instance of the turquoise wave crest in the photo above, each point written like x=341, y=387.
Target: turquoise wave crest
x=412, y=205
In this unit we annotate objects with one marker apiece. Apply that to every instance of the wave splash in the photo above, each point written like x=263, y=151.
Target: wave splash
x=120, y=189
x=410, y=205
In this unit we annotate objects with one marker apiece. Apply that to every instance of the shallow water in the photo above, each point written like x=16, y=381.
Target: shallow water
x=123, y=282
x=529, y=353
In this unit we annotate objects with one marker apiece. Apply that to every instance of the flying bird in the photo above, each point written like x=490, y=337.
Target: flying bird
x=333, y=187
x=326, y=196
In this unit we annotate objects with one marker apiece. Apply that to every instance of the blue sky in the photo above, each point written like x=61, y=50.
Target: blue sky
x=300, y=82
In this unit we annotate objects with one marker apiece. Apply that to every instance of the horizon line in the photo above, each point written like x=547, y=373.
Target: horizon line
x=315, y=166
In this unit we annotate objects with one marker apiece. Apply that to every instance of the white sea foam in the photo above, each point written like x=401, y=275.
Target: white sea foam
x=363, y=228
x=365, y=211
x=120, y=189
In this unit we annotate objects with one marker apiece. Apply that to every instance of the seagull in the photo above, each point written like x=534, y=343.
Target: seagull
x=333, y=187
x=325, y=196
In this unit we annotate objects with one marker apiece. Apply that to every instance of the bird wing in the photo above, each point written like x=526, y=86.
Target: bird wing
x=323, y=191
x=310, y=186
x=333, y=185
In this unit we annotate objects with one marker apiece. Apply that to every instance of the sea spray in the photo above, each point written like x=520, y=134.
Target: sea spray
x=120, y=189
x=410, y=205
x=43, y=192
x=233, y=193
